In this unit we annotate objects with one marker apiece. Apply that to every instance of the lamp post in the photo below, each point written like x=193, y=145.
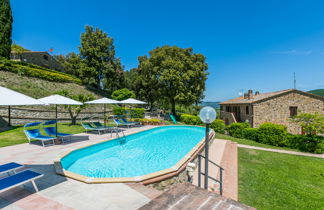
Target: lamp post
x=207, y=116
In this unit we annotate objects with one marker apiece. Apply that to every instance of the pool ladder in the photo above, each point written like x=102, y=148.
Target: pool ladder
x=123, y=139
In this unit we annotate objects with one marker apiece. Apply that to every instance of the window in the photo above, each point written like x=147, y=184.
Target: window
x=293, y=111
x=222, y=108
x=247, y=110
x=45, y=57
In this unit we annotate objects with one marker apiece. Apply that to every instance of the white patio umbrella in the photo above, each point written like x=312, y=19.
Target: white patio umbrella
x=103, y=101
x=132, y=101
x=58, y=100
x=12, y=98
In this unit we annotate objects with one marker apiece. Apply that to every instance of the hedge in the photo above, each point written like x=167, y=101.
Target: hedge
x=218, y=125
x=272, y=134
x=36, y=71
x=190, y=119
x=250, y=133
x=308, y=143
x=277, y=135
x=236, y=129
x=131, y=112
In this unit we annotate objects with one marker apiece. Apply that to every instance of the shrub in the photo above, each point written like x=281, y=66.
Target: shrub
x=137, y=112
x=36, y=71
x=122, y=94
x=190, y=119
x=309, y=143
x=273, y=134
x=131, y=112
x=146, y=121
x=218, y=126
x=236, y=129
x=250, y=133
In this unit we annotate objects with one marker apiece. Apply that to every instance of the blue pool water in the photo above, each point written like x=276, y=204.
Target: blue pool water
x=142, y=153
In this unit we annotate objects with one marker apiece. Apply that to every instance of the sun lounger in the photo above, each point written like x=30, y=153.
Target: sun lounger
x=107, y=128
x=89, y=127
x=19, y=179
x=133, y=123
x=10, y=167
x=173, y=119
x=35, y=134
x=51, y=131
x=118, y=123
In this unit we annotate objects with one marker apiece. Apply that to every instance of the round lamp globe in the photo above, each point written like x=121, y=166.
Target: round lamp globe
x=207, y=114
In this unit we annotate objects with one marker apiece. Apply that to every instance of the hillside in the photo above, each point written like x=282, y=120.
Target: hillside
x=31, y=70
x=319, y=92
x=38, y=88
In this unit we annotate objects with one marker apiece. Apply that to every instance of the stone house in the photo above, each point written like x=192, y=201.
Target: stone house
x=275, y=107
x=43, y=59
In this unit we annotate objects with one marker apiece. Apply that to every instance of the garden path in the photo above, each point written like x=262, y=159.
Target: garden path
x=281, y=151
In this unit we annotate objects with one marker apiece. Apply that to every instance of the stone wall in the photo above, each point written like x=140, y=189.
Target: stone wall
x=20, y=116
x=276, y=110
x=43, y=59
x=228, y=117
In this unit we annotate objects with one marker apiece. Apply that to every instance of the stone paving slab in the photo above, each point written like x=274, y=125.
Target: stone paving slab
x=59, y=192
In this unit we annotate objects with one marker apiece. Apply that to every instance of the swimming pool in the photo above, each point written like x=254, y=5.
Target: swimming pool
x=141, y=155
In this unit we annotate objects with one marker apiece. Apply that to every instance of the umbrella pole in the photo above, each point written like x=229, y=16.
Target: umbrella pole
x=56, y=118
x=105, y=115
x=9, y=115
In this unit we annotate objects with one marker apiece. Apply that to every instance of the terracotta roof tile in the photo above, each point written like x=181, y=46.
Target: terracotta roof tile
x=261, y=96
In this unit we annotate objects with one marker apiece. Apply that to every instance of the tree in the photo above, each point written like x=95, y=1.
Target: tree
x=310, y=123
x=147, y=81
x=102, y=70
x=5, y=28
x=74, y=110
x=174, y=74
x=72, y=64
x=123, y=94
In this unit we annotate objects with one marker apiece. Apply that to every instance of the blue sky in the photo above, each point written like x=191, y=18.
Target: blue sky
x=249, y=44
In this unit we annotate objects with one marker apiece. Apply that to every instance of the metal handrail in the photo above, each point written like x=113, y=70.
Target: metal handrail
x=212, y=178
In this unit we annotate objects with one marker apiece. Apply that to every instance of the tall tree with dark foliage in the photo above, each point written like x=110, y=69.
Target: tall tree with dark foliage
x=5, y=28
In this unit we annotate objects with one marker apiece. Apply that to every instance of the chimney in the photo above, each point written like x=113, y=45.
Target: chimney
x=250, y=94
x=245, y=96
x=257, y=93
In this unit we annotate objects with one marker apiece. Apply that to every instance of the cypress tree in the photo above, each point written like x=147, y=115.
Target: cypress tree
x=5, y=28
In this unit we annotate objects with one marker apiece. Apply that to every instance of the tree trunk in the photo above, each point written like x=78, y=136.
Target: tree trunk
x=73, y=120
x=173, y=109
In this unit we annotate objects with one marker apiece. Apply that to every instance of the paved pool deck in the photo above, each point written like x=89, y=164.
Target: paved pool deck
x=59, y=192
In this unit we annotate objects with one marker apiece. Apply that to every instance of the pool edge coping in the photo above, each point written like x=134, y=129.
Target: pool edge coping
x=144, y=179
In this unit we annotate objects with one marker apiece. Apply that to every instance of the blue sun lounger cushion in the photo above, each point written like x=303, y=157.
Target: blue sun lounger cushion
x=8, y=167
x=19, y=179
x=35, y=134
x=51, y=131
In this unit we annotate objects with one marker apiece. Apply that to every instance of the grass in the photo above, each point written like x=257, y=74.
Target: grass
x=269, y=180
x=31, y=86
x=250, y=142
x=16, y=134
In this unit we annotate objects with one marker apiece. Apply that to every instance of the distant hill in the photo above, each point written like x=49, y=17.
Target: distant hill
x=319, y=92
x=214, y=104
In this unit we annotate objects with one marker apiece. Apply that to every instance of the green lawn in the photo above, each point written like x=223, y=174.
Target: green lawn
x=269, y=180
x=250, y=142
x=16, y=134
